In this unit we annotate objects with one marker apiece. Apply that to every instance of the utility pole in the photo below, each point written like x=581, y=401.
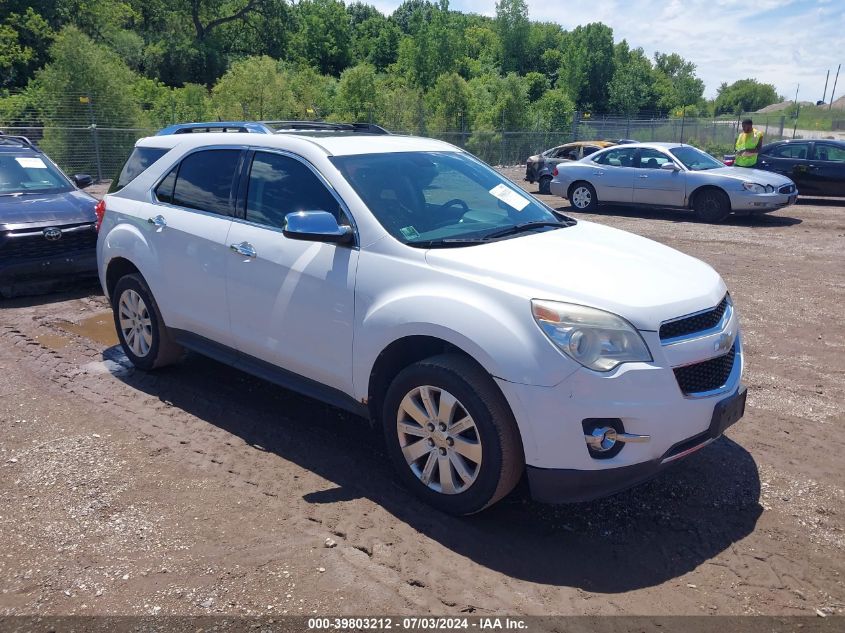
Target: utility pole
x=826, y=79
x=833, y=92
x=797, y=111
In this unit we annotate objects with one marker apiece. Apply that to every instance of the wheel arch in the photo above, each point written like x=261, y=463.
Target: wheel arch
x=118, y=267
x=705, y=187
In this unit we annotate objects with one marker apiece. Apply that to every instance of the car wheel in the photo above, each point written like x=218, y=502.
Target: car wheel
x=711, y=205
x=582, y=196
x=545, y=185
x=451, y=435
x=140, y=328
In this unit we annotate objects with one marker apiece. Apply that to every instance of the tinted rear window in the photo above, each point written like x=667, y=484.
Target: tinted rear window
x=138, y=161
x=205, y=179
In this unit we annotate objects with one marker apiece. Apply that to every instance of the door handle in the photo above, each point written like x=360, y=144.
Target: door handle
x=598, y=173
x=244, y=248
x=158, y=221
x=643, y=175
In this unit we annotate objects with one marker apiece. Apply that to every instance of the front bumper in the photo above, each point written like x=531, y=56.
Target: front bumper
x=563, y=485
x=35, y=275
x=746, y=202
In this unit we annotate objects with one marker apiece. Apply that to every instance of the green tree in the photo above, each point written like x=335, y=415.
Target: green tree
x=324, y=35
x=632, y=86
x=253, y=88
x=675, y=82
x=448, y=103
x=552, y=112
x=433, y=51
x=514, y=29
x=588, y=65
x=745, y=95
x=24, y=42
x=356, y=93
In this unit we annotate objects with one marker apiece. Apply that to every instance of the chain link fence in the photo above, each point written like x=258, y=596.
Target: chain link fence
x=83, y=137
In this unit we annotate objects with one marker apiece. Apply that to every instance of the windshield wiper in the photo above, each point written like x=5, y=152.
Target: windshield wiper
x=449, y=242
x=522, y=228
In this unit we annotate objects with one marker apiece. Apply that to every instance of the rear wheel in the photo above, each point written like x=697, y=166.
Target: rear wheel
x=140, y=328
x=451, y=435
x=582, y=196
x=545, y=185
x=712, y=205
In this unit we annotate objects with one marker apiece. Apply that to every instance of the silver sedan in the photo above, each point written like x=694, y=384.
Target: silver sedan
x=670, y=175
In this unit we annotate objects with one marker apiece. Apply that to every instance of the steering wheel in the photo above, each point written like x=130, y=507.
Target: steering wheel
x=453, y=202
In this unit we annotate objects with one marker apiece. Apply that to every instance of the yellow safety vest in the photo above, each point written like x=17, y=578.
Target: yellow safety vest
x=747, y=141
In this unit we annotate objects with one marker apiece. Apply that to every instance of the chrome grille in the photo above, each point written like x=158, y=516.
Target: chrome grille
x=17, y=246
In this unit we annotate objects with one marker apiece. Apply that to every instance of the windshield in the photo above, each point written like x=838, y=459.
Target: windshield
x=442, y=198
x=30, y=174
x=695, y=159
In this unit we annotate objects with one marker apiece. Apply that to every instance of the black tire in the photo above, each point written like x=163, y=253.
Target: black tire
x=583, y=191
x=502, y=460
x=711, y=205
x=546, y=185
x=162, y=349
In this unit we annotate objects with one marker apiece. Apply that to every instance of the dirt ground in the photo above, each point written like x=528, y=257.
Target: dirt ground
x=201, y=490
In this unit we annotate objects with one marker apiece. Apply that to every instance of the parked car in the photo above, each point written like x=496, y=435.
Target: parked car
x=46, y=223
x=670, y=175
x=538, y=168
x=817, y=167
x=408, y=282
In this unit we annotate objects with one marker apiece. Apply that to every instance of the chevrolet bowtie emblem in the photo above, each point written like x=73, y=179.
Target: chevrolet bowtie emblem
x=724, y=343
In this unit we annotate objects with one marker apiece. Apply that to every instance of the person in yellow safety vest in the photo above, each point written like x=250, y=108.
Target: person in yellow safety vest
x=748, y=145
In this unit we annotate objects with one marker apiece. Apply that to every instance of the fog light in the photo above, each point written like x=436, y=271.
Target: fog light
x=601, y=439
x=605, y=437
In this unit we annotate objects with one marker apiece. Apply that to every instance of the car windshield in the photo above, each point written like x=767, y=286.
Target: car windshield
x=30, y=173
x=694, y=159
x=430, y=199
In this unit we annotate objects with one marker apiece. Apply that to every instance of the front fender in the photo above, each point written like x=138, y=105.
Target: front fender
x=495, y=329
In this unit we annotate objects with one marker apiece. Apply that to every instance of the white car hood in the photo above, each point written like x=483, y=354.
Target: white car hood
x=589, y=264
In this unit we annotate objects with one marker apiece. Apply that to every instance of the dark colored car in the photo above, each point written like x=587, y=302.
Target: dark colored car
x=539, y=168
x=817, y=167
x=47, y=225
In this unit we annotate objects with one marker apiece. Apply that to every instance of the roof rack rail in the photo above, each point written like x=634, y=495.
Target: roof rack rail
x=21, y=141
x=361, y=128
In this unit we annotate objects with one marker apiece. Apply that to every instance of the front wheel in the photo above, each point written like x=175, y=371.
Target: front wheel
x=451, y=435
x=712, y=205
x=140, y=328
x=582, y=196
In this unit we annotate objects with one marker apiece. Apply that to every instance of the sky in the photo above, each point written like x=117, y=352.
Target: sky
x=782, y=42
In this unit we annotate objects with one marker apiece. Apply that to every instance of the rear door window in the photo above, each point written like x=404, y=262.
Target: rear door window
x=790, y=150
x=830, y=152
x=204, y=181
x=619, y=157
x=135, y=165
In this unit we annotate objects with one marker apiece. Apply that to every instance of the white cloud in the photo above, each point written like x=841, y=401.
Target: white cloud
x=782, y=42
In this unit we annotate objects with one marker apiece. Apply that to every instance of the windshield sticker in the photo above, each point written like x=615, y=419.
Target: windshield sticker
x=31, y=162
x=409, y=232
x=509, y=197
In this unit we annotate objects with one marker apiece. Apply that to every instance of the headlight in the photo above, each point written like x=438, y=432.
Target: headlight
x=753, y=187
x=594, y=338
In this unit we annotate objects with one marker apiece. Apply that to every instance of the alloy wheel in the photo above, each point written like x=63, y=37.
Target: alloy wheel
x=135, y=322
x=439, y=439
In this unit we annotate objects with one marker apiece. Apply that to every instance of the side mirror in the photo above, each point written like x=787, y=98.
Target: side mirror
x=316, y=226
x=82, y=180
x=670, y=166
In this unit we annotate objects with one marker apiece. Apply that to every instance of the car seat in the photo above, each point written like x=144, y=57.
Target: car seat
x=651, y=163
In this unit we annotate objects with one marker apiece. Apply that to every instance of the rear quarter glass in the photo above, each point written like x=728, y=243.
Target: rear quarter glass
x=138, y=161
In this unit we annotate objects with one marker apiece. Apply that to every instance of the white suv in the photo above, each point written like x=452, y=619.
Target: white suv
x=406, y=281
